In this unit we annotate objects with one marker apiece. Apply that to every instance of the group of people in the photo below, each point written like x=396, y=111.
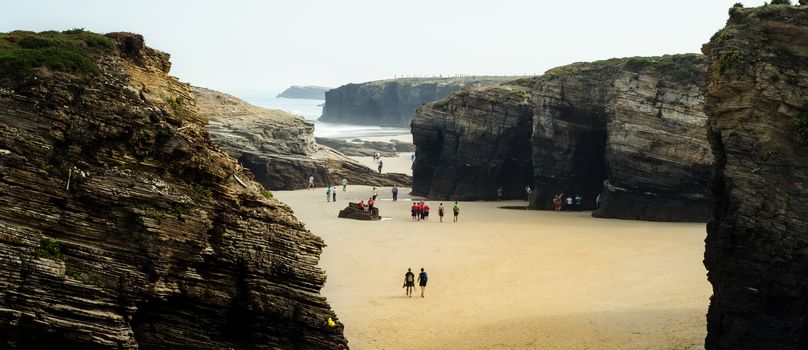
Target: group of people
x=420, y=211
x=570, y=203
x=409, y=281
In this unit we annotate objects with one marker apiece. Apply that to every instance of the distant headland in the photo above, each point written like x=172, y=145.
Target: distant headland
x=305, y=92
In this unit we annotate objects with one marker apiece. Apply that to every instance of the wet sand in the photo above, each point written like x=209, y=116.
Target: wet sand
x=509, y=279
x=401, y=164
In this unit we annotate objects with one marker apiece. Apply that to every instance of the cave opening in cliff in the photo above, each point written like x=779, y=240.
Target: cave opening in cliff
x=589, y=168
x=513, y=176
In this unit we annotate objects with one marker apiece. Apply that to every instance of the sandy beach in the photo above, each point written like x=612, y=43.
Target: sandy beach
x=509, y=279
x=401, y=164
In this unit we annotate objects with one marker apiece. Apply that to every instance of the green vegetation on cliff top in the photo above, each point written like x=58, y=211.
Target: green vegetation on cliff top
x=680, y=67
x=69, y=51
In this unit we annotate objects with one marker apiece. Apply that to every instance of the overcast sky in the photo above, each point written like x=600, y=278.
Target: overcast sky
x=240, y=45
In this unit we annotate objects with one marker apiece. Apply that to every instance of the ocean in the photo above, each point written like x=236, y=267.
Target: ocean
x=312, y=109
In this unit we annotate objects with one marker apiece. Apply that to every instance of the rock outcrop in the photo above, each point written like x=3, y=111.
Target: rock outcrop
x=279, y=147
x=757, y=242
x=359, y=147
x=305, y=92
x=630, y=130
x=353, y=211
x=123, y=226
x=391, y=102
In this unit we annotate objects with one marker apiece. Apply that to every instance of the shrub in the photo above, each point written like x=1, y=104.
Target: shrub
x=738, y=4
x=728, y=60
x=176, y=104
x=202, y=190
x=69, y=51
x=49, y=249
x=267, y=194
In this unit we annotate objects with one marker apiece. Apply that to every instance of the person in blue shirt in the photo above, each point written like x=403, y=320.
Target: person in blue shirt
x=422, y=278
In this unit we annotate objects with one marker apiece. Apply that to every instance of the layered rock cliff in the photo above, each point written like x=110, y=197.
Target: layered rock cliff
x=757, y=242
x=630, y=130
x=305, y=92
x=391, y=102
x=278, y=147
x=123, y=226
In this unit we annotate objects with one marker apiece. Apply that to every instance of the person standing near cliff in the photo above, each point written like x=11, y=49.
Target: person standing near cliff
x=328, y=194
x=371, y=202
x=456, y=211
x=394, y=190
x=424, y=211
x=578, y=202
x=334, y=194
x=414, y=210
x=528, y=191
x=409, y=282
x=375, y=193
x=422, y=278
x=344, y=184
x=311, y=182
x=380, y=166
x=499, y=194
x=568, y=201
x=557, y=201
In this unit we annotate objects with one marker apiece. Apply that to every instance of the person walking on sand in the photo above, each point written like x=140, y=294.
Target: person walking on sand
x=422, y=278
x=414, y=210
x=395, y=193
x=578, y=201
x=409, y=282
x=528, y=191
x=311, y=182
x=380, y=166
x=499, y=194
x=375, y=193
x=568, y=201
x=344, y=184
x=440, y=212
x=456, y=211
x=328, y=194
x=334, y=194
x=425, y=211
x=557, y=201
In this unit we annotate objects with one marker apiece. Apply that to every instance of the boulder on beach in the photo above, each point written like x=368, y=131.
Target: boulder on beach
x=353, y=211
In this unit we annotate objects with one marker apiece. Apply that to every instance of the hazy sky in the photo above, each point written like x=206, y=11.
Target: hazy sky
x=240, y=45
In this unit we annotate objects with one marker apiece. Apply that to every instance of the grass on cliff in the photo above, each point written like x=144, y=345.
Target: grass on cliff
x=800, y=126
x=69, y=51
x=49, y=249
x=680, y=67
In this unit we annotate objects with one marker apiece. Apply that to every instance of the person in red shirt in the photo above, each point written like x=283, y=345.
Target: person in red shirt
x=425, y=211
x=414, y=210
x=362, y=205
x=370, y=204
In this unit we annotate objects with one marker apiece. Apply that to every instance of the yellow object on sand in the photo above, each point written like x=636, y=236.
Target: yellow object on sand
x=331, y=322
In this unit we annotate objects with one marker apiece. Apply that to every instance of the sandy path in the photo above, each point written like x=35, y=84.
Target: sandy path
x=509, y=279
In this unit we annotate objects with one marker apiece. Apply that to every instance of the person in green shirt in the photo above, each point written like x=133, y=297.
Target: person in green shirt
x=456, y=211
x=344, y=184
x=409, y=282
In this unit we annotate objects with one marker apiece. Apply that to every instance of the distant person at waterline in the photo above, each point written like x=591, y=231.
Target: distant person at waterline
x=311, y=182
x=375, y=193
x=422, y=277
x=334, y=194
x=380, y=166
x=344, y=184
x=456, y=211
x=409, y=282
x=328, y=194
x=394, y=191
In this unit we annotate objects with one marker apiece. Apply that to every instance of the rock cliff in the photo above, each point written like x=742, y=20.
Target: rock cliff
x=305, y=92
x=391, y=102
x=123, y=226
x=630, y=130
x=757, y=242
x=278, y=147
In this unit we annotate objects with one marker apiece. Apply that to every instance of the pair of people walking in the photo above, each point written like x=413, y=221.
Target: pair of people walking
x=331, y=194
x=409, y=281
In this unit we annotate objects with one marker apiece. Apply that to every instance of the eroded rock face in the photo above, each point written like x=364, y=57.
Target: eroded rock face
x=391, y=102
x=279, y=147
x=630, y=130
x=473, y=142
x=123, y=226
x=757, y=242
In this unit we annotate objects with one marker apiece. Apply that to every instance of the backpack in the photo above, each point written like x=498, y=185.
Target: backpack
x=410, y=277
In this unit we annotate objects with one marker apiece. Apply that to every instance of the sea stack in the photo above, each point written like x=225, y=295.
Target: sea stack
x=628, y=130
x=757, y=242
x=123, y=226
